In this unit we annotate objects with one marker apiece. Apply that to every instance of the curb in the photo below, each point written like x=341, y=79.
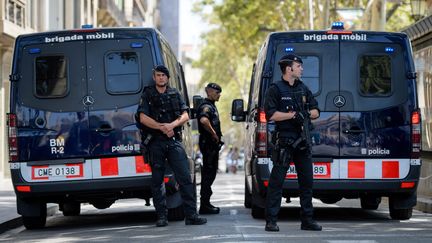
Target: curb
x=424, y=205
x=17, y=222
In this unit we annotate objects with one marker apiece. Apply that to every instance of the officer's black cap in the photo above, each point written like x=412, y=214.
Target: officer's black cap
x=290, y=57
x=215, y=86
x=162, y=69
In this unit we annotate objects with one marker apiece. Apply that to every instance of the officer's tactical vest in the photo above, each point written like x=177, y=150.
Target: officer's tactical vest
x=164, y=107
x=214, y=119
x=290, y=100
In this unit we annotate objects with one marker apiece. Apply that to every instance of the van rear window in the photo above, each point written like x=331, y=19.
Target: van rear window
x=375, y=75
x=122, y=73
x=51, y=76
x=311, y=71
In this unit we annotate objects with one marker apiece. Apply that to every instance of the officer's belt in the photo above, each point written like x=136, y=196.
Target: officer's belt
x=164, y=137
x=287, y=134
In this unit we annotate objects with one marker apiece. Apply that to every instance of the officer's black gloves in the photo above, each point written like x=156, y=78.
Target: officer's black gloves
x=300, y=116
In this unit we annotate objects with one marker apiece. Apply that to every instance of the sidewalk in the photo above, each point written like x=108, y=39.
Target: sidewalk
x=9, y=218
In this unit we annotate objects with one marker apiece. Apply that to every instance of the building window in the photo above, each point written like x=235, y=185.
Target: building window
x=15, y=12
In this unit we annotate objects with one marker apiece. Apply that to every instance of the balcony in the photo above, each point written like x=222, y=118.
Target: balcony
x=12, y=23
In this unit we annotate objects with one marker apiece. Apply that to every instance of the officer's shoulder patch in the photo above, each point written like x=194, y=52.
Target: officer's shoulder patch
x=206, y=109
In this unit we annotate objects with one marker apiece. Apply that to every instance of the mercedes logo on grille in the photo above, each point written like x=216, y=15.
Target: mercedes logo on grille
x=339, y=101
x=88, y=100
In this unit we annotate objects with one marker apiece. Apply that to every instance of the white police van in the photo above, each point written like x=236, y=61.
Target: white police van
x=72, y=133
x=366, y=143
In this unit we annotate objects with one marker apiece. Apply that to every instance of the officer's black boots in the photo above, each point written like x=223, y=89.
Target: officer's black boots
x=271, y=226
x=195, y=220
x=207, y=208
x=311, y=225
x=162, y=222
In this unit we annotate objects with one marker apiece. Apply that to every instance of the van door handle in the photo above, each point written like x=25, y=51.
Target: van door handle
x=355, y=131
x=104, y=130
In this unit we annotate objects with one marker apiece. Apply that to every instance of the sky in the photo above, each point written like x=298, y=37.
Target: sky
x=191, y=24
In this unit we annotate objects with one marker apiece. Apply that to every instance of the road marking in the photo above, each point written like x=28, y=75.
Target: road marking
x=351, y=241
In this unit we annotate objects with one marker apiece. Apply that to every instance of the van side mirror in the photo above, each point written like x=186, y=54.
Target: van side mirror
x=411, y=75
x=197, y=100
x=237, y=110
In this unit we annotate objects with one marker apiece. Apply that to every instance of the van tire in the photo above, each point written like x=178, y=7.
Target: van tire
x=70, y=208
x=248, y=196
x=31, y=223
x=257, y=212
x=176, y=214
x=370, y=203
x=102, y=204
x=330, y=200
x=401, y=214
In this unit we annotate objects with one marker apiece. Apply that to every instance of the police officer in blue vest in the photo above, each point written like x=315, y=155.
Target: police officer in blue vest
x=288, y=102
x=209, y=143
x=162, y=112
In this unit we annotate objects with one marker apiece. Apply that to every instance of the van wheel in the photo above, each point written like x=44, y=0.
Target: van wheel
x=248, y=196
x=176, y=214
x=370, y=203
x=257, y=199
x=102, y=204
x=401, y=214
x=34, y=222
x=257, y=212
x=330, y=200
x=70, y=208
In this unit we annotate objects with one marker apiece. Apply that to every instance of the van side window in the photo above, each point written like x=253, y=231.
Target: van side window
x=51, y=76
x=171, y=63
x=375, y=75
x=122, y=72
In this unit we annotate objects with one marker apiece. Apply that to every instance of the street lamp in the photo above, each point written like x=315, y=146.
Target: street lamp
x=418, y=8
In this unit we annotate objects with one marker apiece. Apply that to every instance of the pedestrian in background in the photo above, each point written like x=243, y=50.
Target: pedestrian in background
x=210, y=144
x=162, y=112
x=235, y=156
x=289, y=102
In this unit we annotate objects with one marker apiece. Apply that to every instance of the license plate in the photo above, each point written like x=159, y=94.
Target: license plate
x=320, y=170
x=45, y=172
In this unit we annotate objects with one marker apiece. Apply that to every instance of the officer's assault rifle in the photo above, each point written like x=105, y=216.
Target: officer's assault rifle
x=303, y=118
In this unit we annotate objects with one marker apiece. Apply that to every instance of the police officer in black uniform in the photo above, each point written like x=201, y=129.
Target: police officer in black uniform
x=289, y=102
x=162, y=112
x=209, y=143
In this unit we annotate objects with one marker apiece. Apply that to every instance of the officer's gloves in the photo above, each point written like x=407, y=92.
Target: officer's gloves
x=300, y=116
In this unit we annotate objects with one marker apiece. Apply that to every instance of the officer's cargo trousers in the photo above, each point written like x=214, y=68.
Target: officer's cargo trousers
x=173, y=151
x=303, y=163
x=210, y=152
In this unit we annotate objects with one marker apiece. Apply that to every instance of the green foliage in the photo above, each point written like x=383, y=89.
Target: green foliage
x=239, y=27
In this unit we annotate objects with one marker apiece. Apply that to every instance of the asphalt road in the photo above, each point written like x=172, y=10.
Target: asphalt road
x=131, y=221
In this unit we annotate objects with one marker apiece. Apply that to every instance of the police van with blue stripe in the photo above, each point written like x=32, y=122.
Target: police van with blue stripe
x=366, y=142
x=72, y=132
